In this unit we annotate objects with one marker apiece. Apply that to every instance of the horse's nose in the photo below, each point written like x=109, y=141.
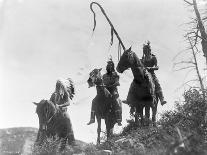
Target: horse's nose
x=89, y=82
x=118, y=69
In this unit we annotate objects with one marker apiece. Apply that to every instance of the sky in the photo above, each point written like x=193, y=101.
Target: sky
x=42, y=41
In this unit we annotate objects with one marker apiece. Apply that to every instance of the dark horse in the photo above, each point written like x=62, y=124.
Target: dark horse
x=103, y=104
x=53, y=122
x=142, y=90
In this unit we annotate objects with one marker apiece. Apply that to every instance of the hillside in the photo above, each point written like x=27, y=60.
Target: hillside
x=17, y=140
x=20, y=140
x=181, y=131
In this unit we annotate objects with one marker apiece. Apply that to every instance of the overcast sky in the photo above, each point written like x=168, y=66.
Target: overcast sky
x=41, y=41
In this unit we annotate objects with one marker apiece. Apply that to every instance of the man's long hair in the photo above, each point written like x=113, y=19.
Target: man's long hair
x=65, y=88
x=110, y=63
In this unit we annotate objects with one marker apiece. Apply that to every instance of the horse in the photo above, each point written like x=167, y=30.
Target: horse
x=104, y=108
x=142, y=90
x=53, y=122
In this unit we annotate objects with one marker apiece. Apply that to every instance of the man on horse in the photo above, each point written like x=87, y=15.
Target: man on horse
x=60, y=97
x=149, y=60
x=64, y=91
x=110, y=81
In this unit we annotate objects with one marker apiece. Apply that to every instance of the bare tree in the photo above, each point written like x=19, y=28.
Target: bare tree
x=199, y=31
x=191, y=64
x=196, y=66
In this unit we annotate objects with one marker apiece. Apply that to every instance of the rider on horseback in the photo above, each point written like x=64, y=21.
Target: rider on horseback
x=149, y=60
x=111, y=81
x=60, y=97
x=64, y=91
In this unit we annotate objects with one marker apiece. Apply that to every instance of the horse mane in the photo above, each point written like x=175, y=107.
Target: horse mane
x=137, y=60
x=43, y=103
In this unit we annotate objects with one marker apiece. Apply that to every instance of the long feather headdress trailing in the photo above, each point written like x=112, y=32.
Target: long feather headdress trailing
x=65, y=87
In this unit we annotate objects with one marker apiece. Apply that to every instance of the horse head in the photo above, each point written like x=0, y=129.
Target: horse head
x=95, y=77
x=45, y=110
x=125, y=61
x=129, y=59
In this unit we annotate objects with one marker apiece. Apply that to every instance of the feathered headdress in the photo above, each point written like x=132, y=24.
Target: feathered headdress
x=147, y=45
x=65, y=87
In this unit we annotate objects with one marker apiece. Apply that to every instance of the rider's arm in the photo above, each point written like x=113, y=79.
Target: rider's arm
x=116, y=83
x=55, y=98
x=65, y=104
x=66, y=101
x=155, y=67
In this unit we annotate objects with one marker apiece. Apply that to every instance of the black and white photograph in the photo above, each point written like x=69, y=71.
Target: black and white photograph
x=103, y=77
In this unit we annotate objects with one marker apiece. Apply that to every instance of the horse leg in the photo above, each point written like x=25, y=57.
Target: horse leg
x=62, y=143
x=154, y=112
x=109, y=132
x=98, y=129
x=69, y=129
x=41, y=137
x=109, y=127
x=38, y=137
x=139, y=113
x=147, y=114
x=136, y=117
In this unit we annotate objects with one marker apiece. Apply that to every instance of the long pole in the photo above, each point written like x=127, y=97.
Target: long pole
x=110, y=23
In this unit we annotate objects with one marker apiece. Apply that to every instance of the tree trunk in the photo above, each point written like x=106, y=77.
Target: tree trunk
x=197, y=69
x=201, y=29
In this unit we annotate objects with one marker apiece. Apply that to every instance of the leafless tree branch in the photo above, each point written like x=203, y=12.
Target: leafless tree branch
x=188, y=2
x=183, y=68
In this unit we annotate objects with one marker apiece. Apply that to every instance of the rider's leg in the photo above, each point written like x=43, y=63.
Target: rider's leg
x=92, y=118
x=70, y=134
x=158, y=90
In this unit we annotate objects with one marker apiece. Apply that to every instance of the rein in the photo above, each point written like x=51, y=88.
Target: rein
x=51, y=117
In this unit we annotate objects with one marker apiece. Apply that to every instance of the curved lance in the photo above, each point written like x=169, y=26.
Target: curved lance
x=113, y=30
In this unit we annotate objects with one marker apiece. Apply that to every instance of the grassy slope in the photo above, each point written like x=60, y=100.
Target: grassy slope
x=20, y=140
x=14, y=140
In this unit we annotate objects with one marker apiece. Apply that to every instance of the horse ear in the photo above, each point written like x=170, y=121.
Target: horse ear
x=35, y=103
x=130, y=48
